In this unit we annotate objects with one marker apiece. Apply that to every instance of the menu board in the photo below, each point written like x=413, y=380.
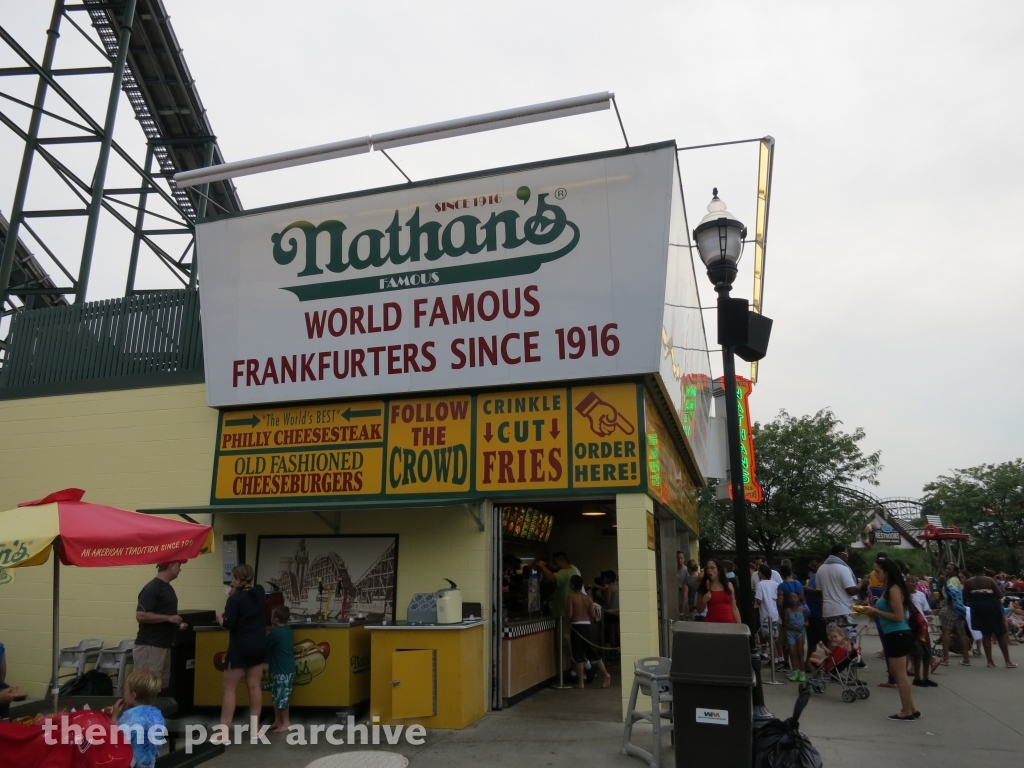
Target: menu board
x=527, y=523
x=449, y=447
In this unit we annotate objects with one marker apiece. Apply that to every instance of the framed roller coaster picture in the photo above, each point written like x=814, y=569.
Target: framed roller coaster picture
x=335, y=577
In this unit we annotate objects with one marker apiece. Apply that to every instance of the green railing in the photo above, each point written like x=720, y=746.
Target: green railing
x=145, y=340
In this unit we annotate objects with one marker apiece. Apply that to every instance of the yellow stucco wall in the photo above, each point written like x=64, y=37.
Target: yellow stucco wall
x=638, y=587
x=148, y=448
x=130, y=449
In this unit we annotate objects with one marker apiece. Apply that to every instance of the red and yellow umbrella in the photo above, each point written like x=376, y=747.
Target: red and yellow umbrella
x=91, y=536
x=94, y=535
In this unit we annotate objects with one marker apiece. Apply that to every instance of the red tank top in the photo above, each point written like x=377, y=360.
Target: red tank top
x=720, y=608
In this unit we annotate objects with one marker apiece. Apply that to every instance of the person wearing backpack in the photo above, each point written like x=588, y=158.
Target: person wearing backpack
x=953, y=617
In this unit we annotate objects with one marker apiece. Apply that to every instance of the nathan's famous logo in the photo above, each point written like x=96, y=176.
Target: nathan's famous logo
x=427, y=242
x=13, y=553
x=310, y=661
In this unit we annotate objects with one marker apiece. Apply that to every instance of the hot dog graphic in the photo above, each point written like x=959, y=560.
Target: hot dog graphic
x=310, y=660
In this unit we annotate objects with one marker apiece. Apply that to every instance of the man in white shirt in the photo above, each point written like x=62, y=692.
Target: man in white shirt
x=775, y=575
x=766, y=599
x=838, y=587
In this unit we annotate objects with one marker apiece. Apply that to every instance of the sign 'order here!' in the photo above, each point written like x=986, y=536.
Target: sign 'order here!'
x=547, y=439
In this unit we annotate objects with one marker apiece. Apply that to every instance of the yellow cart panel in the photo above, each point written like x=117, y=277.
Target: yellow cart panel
x=332, y=667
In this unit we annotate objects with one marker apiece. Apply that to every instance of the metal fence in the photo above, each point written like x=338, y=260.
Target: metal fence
x=142, y=340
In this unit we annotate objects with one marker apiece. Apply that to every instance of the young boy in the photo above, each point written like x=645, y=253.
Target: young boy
x=281, y=654
x=919, y=629
x=580, y=609
x=794, y=621
x=135, y=715
x=767, y=597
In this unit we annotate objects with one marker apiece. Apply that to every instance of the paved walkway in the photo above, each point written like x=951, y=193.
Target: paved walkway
x=975, y=718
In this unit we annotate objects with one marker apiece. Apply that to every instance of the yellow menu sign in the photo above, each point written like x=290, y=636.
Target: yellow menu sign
x=605, y=436
x=521, y=440
x=491, y=443
x=333, y=450
x=428, y=445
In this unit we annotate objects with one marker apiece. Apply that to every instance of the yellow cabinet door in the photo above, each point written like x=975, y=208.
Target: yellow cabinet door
x=413, y=684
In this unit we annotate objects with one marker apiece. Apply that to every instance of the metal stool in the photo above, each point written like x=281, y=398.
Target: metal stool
x=650, y=677
x=118, y=658
x=76, y=657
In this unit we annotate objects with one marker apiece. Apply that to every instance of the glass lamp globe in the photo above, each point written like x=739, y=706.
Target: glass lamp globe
x=719, y=238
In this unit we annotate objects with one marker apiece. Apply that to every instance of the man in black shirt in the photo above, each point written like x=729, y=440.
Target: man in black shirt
x=157, y=614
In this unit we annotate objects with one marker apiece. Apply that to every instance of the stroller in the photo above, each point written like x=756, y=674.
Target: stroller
x=841, y=667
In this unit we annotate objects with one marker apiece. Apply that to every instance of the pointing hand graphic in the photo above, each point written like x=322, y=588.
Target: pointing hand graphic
x=603, y=417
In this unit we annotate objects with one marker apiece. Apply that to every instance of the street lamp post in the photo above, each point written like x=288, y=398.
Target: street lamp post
x=719, y=238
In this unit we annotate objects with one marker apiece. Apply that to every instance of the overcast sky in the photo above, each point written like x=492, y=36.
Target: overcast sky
x=894, y=265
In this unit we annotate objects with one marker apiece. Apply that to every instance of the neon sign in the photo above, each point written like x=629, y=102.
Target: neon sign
x=693, y=385
x=752, y=491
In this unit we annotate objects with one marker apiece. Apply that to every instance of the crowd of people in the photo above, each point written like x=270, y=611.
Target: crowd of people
x=806, y=623
x=582, y=608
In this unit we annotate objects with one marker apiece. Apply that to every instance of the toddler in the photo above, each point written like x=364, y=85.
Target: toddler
x=135, y=716
x=840, y=649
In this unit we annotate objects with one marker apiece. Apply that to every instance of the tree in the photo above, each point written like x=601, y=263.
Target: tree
x=804, y=466
x=988, y=503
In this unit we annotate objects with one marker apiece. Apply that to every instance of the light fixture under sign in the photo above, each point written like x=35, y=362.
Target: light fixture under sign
x=594, y=513
x=463, y=126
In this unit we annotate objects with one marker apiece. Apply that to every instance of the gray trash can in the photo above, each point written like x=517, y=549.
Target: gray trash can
x=712, y=690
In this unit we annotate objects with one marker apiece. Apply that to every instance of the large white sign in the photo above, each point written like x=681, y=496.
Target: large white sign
x=542, y=274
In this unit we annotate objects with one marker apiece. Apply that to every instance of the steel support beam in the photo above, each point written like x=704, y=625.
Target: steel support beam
x=18, y=206
x=99, y=178
x=133, y=261
x=91, y=124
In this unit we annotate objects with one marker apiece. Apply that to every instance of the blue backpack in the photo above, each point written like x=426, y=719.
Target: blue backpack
x=956, y=600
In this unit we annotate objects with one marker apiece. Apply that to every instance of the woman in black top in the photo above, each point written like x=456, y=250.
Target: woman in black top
x=245, y=617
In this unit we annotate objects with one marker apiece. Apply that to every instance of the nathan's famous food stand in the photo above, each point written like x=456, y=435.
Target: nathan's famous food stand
x=403, y=356
x=333, y=586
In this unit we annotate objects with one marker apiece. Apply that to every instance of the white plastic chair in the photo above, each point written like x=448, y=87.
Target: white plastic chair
x=77, y=657
x=650, y=677
x=118, y=658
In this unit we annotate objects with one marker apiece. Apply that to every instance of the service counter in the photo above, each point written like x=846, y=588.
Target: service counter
x=332, y=665
x=427, y=674
x=528, y=654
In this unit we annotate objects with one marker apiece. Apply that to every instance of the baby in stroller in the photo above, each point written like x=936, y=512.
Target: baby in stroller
x=837, y=663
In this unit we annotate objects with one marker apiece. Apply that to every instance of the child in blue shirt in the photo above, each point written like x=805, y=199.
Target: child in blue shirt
x=135, y=716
